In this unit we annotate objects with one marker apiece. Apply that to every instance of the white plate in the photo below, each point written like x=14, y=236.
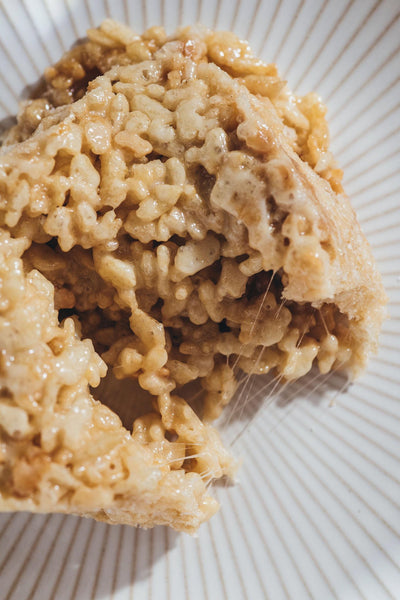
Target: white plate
x=316, y=513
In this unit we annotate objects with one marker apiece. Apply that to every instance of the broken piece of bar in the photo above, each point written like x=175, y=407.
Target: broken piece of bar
x=180, y=209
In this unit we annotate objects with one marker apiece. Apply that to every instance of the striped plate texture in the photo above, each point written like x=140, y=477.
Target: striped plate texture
x=315, y=513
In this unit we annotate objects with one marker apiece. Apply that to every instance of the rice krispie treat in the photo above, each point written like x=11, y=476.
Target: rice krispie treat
x=179, y=206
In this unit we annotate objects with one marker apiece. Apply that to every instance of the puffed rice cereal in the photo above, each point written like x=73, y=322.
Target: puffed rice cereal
x=169, y=212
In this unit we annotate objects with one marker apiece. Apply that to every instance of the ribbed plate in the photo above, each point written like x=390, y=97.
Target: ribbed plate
x=316, y=512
